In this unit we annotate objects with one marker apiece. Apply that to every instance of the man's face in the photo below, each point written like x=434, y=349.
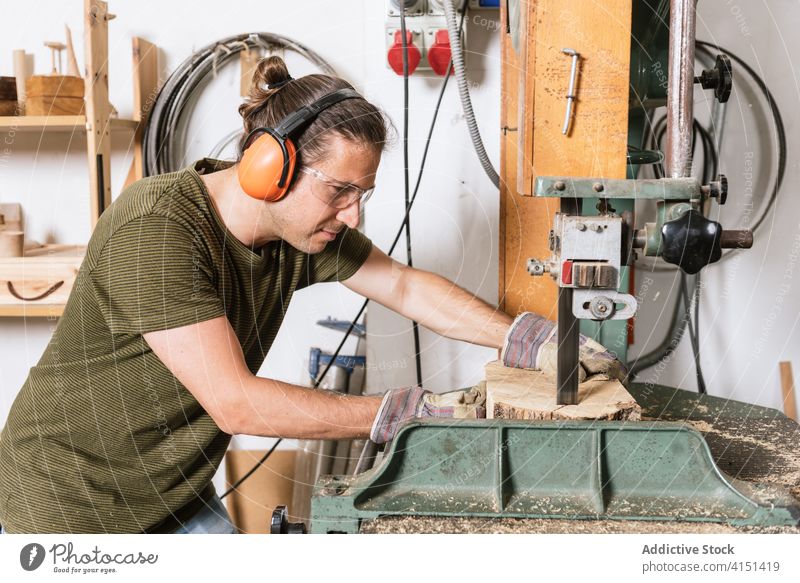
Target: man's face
x=305, y=217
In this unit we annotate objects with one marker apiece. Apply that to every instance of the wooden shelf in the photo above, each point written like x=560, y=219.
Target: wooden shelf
x=49, y=271
x=57, y=123
x=31, y=310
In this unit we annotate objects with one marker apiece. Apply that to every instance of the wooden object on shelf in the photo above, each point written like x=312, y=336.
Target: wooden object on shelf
x=8, y=95
x=54, y=95
x=43, y=277
x=787, y=388
x=11, y=243
x=534, y=83
x=55, y=56
x=8, y=88
x=21, y=74
x=12, y=216
x=513, y=393
x=248, y=61
x=72, y=62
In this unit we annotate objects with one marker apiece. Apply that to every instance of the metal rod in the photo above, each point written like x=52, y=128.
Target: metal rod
x=573, y=73
x=568, y=333
x=736, y=239
x=680, y=88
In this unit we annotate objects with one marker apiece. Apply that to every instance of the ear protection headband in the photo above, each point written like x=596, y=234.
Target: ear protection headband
x=268, y=162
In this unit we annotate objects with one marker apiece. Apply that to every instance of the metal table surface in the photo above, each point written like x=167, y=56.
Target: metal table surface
x=748, y=442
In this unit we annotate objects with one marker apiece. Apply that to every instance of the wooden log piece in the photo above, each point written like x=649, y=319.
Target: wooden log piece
x=55, y=85
x=513, y=393
x=54, y=95
x=8, y=107
x=8, y=88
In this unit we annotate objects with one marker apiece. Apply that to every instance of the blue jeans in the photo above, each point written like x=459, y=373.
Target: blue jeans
x=213, y=518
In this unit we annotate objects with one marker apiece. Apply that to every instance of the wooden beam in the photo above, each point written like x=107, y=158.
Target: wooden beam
x=98, y=142
x=535, y=86
x=145, y=91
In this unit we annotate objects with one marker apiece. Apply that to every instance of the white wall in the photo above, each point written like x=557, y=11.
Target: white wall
x=748, y=321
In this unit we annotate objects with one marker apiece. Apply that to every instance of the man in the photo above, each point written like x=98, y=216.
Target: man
x=123, y=422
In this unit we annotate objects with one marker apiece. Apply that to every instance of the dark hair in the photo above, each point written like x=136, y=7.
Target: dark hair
x=354, y=119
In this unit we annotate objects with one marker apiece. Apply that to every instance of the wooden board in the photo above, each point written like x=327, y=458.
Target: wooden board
x=98, y=109
x=787, y=388
x=248, y=61
x=145, y=92
x=534, y=85
x=513, y=393
x=58, y=123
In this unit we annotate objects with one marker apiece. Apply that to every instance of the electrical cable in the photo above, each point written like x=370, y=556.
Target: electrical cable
x=780, y=129
x=165, y=132
x=457, y=57
x=399, y=233
x=409, y=260
x=701, y=383
x=693, y=331
x=707, y=50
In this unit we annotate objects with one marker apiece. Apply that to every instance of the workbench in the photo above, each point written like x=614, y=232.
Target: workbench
x=748, y=442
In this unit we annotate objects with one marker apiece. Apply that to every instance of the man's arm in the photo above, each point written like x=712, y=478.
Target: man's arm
x=431, y=300
x=207, y=359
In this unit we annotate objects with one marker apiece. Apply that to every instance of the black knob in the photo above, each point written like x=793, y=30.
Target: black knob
x=719, y=189
x=279, y=523
x=720, y=78
x=691, y=241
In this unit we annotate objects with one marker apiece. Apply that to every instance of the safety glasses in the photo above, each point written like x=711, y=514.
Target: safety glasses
x=339, y=195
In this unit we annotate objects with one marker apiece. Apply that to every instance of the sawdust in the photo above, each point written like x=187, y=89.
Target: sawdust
x=701, y=426
x=473, y=525
x=786, y=460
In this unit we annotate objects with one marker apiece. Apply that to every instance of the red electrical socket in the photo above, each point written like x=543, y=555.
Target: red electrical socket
x=395, y=53
x=439, y=54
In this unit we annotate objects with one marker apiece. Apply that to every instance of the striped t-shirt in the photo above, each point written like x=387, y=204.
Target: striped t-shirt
x=102, y=437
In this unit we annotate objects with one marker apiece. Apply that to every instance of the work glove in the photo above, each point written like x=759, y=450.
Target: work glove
x=400, y=405
x=532, y=342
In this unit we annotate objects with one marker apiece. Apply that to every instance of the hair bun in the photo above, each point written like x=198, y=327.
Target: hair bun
x=271, y=73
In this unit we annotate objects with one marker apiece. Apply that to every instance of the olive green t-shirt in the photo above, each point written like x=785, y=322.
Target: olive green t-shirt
x=102, y=437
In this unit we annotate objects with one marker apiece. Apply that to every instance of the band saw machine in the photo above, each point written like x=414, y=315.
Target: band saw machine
x=693, y=459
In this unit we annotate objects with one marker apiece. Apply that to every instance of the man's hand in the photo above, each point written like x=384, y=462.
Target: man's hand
x=532, y=342
x=401, y=405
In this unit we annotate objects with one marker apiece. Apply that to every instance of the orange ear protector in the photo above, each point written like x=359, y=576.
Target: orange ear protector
x=268, y=162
